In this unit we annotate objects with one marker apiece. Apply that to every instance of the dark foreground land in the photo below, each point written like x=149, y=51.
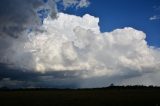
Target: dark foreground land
x=113, y=96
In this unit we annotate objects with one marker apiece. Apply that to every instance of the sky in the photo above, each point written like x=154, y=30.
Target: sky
x=122, y=13
x=79, y=43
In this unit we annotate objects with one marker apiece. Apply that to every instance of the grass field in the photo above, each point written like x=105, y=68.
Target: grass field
x=85, y=97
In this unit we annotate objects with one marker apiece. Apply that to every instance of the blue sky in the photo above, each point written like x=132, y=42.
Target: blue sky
x=115, y=14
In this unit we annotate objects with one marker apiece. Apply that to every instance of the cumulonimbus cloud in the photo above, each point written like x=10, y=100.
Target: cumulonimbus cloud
x=72, y=43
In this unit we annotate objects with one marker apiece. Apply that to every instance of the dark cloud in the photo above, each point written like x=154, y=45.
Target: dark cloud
x=17, y=15
x=17, y=78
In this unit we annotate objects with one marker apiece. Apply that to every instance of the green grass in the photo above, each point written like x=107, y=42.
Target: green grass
x=86, y=97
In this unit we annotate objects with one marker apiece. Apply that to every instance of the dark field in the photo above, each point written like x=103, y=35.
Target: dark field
x=85, y=97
